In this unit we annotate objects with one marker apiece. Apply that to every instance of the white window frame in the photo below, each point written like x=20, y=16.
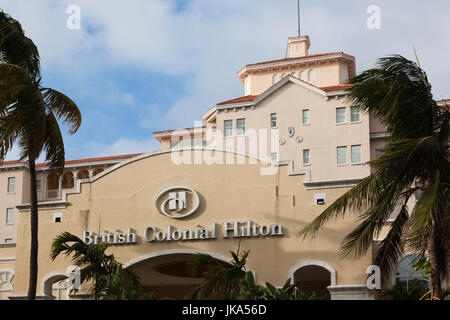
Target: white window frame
x=9, y=213
x=309, y=157
x=240, y=131
x=303, y=117
x=273, y=121
x=13, y=179
x=351, y=115
x=337, y=155
x=312, y=75
x=360, y=154
x=272, y=156
x=345, y=115
x=227, y=133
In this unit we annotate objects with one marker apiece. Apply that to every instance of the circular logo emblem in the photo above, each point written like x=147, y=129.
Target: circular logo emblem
x=177, y=201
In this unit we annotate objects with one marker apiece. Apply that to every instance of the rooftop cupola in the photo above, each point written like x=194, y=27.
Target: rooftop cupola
x=298, y=46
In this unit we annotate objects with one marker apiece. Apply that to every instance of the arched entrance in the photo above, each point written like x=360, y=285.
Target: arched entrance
x=314, y=276
x=166, y=274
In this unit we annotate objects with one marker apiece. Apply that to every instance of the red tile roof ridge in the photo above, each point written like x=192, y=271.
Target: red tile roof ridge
x=126, y=156
x=295, y=58
x=240, y=99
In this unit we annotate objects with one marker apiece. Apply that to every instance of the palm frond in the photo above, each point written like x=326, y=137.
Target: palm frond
x=63, y=107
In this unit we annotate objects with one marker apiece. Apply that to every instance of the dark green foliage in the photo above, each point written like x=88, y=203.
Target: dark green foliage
x=229, y=282
x=416, y=157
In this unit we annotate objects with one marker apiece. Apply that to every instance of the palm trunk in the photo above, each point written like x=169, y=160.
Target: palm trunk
x=435, y=279
x=34, y=232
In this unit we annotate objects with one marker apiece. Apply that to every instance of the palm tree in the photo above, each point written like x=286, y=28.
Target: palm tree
x=416, y=158
x=95, y=265
x=29, y=116
x=221, y=282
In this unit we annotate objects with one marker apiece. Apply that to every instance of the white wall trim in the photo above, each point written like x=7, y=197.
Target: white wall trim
x=49, y=279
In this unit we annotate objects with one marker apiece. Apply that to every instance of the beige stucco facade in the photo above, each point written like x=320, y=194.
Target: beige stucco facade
x=123, y=197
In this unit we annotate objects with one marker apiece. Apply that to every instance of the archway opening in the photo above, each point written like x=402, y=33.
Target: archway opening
x=313, y=279
x=167, y=276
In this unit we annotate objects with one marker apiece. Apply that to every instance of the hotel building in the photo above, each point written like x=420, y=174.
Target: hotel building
x=258, y=169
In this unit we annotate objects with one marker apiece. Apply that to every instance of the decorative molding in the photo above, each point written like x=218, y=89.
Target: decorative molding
x=311, y=185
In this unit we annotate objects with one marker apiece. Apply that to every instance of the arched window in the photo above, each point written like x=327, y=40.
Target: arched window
x=6, y=284
x=98, y=170
x=275, y=78
x=68, y=181
x=302, y=75
x=52, y=186
x=61, y=290
x=311, y=75
x=314, y=277
x=406, y=277
x=83, y=174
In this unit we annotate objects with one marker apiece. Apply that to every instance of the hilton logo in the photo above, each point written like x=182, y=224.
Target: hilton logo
x=177, y=201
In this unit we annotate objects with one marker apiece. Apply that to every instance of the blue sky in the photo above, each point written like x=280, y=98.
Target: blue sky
x=140, y=66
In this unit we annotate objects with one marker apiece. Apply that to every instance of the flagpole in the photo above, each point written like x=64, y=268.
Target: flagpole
x=298, y=17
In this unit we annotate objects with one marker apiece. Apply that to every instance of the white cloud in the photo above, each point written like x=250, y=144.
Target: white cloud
x=211, y=40
x=122, y=146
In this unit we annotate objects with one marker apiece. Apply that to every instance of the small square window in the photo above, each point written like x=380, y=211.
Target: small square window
x=305, y=116
x=378, y=153
x=228, y=125
x=340, y=115
x=306, y=156
x=57, y=217
x=355, y=114
x=240, y=127
x=273, y=120
x=11, y=185
x=10, y=216
x=9, y=240
x=356, y=154
x=341, y=155
x=274, y=156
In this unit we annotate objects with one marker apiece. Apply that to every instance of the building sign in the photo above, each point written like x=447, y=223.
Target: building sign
x=179, y=202
x=236, y=229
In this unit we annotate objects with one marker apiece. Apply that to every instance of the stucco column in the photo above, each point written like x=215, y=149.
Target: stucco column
x=60, y=185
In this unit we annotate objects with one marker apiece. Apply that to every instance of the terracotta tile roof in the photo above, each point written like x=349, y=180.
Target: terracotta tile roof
x=11, y=162
x=336, y=88
x=294, y=58
x=240, y=99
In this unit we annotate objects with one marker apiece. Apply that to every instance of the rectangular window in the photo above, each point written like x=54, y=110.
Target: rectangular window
x=240, y=127
x=8, y=240
x=356, y=154
x=10, y=216
x=306, y=156
x=378, y=153
x=340, y=115
x=305, y=116
x=341, y=155
x=273, y=120
x=11, y=185
x=354, y=114
x=213, y=129
x=228, y=125
x=274, y=156
x=38, y=185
